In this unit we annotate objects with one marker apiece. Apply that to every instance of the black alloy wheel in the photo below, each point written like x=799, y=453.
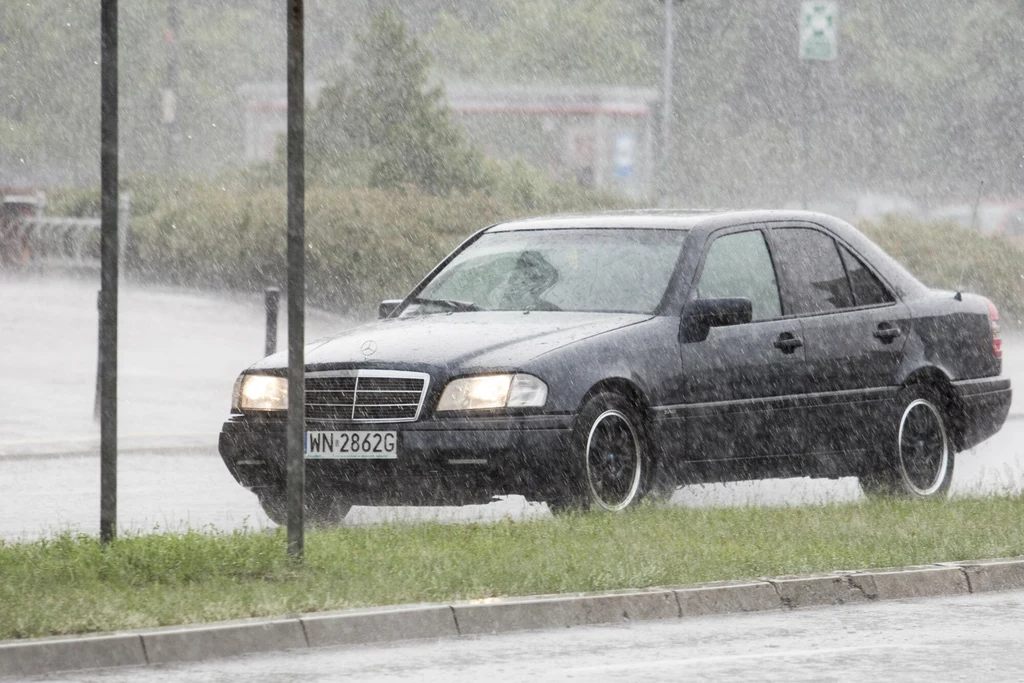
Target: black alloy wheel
x=612, y=467
x=920, y=463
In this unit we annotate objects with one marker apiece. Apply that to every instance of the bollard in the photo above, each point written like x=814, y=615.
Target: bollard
x=270, y=299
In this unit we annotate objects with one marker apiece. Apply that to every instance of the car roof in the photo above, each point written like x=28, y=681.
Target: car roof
x=659, y=219
x=895, y=274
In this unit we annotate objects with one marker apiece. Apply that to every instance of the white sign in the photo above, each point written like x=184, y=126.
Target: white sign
x=170, y=106
x=818, y=23
x=623, y=155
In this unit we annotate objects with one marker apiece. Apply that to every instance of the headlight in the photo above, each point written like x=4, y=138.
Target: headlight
x=260, y=392
x=493, y=391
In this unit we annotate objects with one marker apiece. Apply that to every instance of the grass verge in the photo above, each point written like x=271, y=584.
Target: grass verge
x=70, y=584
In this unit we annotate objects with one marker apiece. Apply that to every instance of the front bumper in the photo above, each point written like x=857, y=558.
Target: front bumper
x=983, y=405
x=439, y=461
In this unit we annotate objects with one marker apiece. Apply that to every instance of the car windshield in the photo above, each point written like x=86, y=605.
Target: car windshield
x=600, y=270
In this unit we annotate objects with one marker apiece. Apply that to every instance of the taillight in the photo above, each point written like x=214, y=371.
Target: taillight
x=993, y=321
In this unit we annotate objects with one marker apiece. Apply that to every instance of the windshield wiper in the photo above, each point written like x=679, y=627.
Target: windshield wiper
x=447, y=304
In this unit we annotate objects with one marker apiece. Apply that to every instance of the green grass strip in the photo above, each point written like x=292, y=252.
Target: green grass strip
x=69, y=584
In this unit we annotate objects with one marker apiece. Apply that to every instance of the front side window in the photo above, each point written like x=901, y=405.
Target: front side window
x=739, y=265
x=814, y=271
x=599, y=270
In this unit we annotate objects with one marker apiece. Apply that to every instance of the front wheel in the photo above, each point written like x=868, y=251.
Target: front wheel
x=612, y=466
x=920, y=462
x=319, y=510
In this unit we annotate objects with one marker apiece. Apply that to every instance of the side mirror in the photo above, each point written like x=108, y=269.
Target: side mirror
x=387, y=307
x=700, y=315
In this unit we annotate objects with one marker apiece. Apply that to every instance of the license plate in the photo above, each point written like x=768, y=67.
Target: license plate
x=351, y=445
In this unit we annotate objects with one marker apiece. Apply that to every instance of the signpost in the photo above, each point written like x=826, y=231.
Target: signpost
x=666, y=100
x=818, y=43
x=109, y=250
x=818, y=30
x=172, y=132
x=296, y=465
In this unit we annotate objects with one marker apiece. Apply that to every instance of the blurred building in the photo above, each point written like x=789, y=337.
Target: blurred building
x=601, y=136
x=265, y=116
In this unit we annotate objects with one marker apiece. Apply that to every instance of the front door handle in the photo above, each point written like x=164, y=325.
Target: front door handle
x=788, y=342
x=887, y=333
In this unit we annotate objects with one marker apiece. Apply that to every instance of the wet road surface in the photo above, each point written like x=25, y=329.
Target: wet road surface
x=180, y=354
x=966, y=638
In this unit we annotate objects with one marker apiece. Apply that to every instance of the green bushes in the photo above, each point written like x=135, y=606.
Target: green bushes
x=363, y=245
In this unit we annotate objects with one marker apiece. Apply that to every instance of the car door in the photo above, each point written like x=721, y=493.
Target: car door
x=735, y=380
x=854, y=330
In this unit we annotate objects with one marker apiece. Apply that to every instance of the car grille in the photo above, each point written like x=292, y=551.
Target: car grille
x=363, y=396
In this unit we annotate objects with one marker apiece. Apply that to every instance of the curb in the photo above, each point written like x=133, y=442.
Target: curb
x=501, y=615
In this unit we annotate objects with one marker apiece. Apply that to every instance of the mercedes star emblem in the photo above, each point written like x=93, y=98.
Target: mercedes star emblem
x=369, y=347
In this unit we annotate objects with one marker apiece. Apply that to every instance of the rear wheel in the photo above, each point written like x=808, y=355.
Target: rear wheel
x=920, y=462
x=612, y=467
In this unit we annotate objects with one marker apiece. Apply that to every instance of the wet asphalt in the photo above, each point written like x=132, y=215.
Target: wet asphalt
x=180, y=353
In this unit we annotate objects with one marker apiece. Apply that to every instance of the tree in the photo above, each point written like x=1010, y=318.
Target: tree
x=606, y=42
x=50, y=80
x=382, y=120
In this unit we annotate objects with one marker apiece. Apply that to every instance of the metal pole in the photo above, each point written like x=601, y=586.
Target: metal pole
x=805, y=135
x=977, y=207
x=124, y=204
x=296, y=471
x=172, y=133
x=666, y=99
x=270, y=300
x=109, y=270
x=96, y=401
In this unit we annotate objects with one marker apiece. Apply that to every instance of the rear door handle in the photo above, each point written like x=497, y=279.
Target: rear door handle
x=788, y=343
x=887, y=333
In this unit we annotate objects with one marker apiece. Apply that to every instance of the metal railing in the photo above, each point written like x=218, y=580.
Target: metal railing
x=70, y=243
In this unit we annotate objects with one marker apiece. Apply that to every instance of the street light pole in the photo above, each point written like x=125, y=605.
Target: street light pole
x=296, y=466
x=172, y=132
x=666, y=99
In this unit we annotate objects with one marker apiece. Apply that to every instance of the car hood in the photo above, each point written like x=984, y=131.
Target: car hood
x=456, y=341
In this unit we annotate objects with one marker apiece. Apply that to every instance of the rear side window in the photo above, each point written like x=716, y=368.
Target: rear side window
x=868, y=290
x=739, y=265
x=814, y=272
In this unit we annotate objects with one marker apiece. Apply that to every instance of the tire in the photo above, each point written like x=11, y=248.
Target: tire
x=661, y=487
x=918, y=462
x=319, y=511
x=611, y=464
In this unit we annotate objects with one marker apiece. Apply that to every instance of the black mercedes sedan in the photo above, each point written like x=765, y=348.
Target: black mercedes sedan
x=593, y=361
